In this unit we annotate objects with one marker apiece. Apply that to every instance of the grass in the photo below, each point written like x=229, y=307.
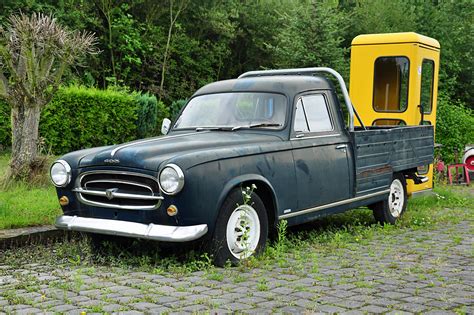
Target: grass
x=332, y=236
x=23, y=205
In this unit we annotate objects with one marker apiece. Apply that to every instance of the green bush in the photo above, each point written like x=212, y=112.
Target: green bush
x=454, y=128
x=150, y=114
x=79, y=117
x=5, y=126
x=175, y=108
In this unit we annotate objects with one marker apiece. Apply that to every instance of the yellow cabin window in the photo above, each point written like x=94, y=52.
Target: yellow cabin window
x=426, y=94
x=391, y=84
x=389, y=122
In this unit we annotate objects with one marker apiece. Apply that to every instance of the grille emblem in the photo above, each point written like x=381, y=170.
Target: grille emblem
x=112, y=161
x=109, y=193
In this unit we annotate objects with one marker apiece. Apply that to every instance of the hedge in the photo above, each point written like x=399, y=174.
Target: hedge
x=454, y=128
x=80, y=117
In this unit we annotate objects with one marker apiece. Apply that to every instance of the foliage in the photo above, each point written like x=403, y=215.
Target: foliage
x=80, y=118
x=151, y=113
x=454, y=128
x=175, y=109
x=213, y=40
x=295, y=49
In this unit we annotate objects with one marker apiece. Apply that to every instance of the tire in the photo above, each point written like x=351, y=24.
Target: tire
x=241, y=230
x=390, y=210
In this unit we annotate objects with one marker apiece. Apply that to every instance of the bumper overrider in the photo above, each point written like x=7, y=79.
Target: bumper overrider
x=156, y=232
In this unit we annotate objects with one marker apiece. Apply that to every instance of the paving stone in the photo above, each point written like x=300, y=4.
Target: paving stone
x=374, y=309
x=158, y=310
x=238, y=306
x=349, y=304
x=111, y=307
x=25, y=311
x=194, y=308
x=142, y=306
x=398, y=312
x=331, y=309
x=62, y=308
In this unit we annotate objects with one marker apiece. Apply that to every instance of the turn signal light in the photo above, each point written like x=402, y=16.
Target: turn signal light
x=64, y=201
x=172, y=210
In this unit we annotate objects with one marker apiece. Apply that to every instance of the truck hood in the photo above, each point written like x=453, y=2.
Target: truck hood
x=150, y=153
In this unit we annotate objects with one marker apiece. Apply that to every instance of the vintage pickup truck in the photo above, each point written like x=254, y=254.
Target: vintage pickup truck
x=281, y=131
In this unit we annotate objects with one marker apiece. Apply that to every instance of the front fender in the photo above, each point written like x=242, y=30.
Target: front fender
x=237, y=181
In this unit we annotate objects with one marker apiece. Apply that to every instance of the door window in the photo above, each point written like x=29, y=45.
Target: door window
x=427, y=78
x=391, y=84
x=312, y=114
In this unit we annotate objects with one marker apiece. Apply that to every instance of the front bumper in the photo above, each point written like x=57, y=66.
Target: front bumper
x=156, y=232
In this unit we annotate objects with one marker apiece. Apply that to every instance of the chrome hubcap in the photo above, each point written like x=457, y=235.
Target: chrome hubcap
x=243, y=231
x=396, y=199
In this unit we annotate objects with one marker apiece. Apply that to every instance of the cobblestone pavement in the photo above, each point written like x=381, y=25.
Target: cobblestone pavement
x=416, y=271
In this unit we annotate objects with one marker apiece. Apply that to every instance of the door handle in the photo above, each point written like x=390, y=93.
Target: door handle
x=342, y=147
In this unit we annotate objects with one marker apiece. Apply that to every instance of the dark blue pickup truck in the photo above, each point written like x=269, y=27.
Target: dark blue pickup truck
x=243, y=155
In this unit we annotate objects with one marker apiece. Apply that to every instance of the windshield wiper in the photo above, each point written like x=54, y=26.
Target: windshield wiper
x=258, y=125
x=215, y=128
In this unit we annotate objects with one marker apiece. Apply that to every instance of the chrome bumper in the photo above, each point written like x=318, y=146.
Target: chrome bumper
x=150, y=231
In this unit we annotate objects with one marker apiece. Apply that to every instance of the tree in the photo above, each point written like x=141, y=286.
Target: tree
x=34, y=53
x=173, y=17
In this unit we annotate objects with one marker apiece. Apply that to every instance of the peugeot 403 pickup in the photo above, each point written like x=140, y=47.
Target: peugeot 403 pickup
x=281, y=131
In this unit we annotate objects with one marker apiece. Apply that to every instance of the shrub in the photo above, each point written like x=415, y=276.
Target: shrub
x=454, y=128
x=175, y=108
x=79, y=117
x=150, y=114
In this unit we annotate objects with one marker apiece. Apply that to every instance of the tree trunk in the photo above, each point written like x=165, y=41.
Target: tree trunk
x=25, y=122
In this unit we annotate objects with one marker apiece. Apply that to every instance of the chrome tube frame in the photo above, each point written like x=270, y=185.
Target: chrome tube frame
x=311, y=71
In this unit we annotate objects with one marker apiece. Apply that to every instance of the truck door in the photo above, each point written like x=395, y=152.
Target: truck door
x=320, y=153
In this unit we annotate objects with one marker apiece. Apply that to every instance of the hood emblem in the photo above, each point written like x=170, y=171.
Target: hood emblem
x=109, y=193
x=112, y=161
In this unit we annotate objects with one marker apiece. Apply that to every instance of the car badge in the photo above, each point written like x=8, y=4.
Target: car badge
x=112, y=161
x=109, y=193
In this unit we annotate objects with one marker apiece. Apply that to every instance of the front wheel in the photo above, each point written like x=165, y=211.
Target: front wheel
x=241, y=229
x=389, y=210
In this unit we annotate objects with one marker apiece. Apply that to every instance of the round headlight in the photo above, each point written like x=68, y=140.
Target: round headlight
x=60, y=173
x=171, y=179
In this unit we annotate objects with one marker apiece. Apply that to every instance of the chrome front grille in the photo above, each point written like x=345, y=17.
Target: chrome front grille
x=119, y=190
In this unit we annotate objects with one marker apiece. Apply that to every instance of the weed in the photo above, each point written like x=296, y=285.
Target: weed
x=262, y=285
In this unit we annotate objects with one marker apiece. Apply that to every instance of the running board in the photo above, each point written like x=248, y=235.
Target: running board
x=334, y=204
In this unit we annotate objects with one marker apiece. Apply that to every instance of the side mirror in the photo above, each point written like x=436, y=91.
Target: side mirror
x=165, y=126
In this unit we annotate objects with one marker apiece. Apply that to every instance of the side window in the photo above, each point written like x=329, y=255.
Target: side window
x=301, y=125
x=391, y=84
x=426, y=93
x=317, y=113
x=312, y=114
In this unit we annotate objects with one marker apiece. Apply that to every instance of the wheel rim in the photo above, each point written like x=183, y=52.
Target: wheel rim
x=396, y=199
x=243, y=231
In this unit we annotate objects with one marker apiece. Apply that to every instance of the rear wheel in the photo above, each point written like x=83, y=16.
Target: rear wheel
x=389, y=210
x=241, y=229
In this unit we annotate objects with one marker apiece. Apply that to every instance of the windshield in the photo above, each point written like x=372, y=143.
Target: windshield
x=234, y=111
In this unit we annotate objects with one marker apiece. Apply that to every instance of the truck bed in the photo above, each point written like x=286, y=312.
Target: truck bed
x=381, y=151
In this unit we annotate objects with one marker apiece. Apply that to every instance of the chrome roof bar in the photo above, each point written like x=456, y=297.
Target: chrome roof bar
x=311, y=72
